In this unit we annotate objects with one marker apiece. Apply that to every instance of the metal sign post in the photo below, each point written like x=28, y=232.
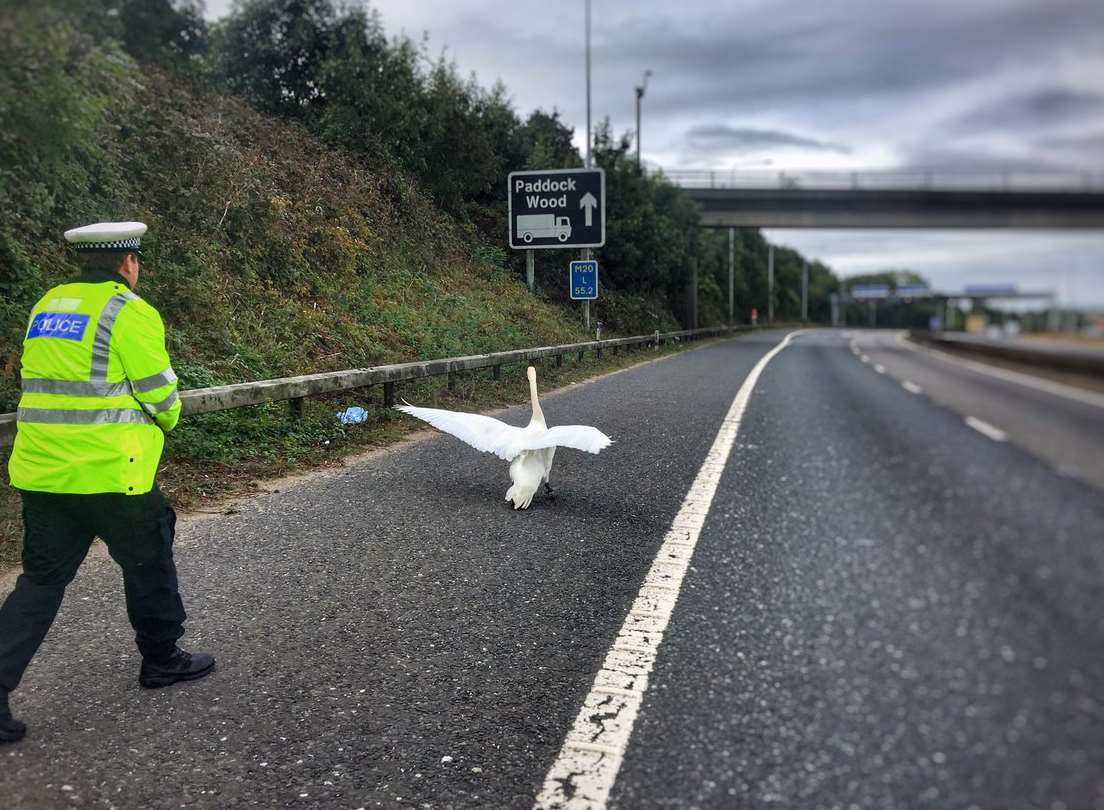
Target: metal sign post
x=530, y=270
x=583, y=285
x=804, y=292
x=770, y=284
x=731, y=273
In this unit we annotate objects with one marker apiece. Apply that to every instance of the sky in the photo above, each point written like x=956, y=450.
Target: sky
x=955, y=86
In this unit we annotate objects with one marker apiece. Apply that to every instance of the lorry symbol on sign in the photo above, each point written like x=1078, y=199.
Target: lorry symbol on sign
x=543, y=226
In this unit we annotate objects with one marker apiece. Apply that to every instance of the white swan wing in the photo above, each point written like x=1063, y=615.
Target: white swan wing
x=481, y=432
x=578, y=437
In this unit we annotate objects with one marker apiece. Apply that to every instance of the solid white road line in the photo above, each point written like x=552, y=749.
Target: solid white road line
x=911, y=387
x=591, y=755
x=984, y=428
x=1038, y=383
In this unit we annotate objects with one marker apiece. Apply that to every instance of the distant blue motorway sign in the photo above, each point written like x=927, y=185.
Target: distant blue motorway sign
x=584, y=281
x=913, y=291
x=863, y=291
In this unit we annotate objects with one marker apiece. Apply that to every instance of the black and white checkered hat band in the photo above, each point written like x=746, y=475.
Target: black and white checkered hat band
x=134, y=244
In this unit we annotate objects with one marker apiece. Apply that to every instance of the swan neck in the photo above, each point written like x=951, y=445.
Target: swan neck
x=538, y=414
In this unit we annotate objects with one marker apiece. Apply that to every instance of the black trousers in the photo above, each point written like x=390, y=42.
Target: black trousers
x=59, y=529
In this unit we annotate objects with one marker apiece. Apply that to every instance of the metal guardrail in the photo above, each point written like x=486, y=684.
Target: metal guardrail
x=295, y=389
x=910, y=180
x=1057, y=358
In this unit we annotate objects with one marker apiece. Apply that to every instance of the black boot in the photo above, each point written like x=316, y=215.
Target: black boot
x=10, y=728
x=180, y=666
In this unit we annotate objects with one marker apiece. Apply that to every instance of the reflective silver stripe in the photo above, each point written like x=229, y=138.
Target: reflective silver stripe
x=101, y=344
x=52, y=416
x=154, y=381
x=75, y=388
x=163, y=405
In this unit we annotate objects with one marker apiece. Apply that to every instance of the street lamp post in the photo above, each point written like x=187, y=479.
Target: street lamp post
x=588, y=82
x=586, y=251
x=640, y=90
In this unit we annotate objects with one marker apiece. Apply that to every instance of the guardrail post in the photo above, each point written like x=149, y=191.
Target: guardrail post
x=657, y=340
x=496, y=372
x=453, y=381
x=295, y=408
x=582, y=356
x=559, y=361
x=389, y=395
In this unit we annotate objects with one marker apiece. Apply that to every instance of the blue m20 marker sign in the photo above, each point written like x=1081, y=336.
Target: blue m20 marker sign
x=584, y=281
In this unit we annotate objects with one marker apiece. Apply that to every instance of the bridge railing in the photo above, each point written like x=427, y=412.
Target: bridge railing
x=295, y=389
x=910, y=180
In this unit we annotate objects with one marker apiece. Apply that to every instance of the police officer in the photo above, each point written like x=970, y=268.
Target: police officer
x=98, y=395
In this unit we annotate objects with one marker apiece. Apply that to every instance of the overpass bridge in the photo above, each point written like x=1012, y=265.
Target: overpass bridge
x=918, y=199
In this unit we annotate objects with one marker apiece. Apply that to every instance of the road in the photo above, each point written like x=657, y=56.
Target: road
x=1058, y=423
x=885, y=608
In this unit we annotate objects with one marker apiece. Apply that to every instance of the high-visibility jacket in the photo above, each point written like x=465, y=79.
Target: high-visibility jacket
x=98, y=392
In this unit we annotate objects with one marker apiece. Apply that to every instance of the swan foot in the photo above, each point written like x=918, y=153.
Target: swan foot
x=520, y=498
x=551, y=493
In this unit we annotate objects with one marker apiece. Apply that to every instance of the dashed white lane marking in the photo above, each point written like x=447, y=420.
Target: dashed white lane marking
x=1039, y=384
x=591, y=755
x=865, y=359
x=878, y=367
x=911, y=387
x=984, y=428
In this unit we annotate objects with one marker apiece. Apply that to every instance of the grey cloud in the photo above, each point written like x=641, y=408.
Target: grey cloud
x=773, y=61
x=722, y=138
x=1089, y=142
x=961, y=161
x=1047, y=107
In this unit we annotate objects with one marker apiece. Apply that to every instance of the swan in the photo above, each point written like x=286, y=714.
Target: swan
x=529, y=449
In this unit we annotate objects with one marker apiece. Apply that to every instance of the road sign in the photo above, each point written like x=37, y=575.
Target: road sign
x=865, y=291
x=584, y=281
x=988, y=290
x=557, y=208
x=913, y=291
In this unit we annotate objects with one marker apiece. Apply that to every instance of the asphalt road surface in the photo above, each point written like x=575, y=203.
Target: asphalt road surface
x=886, y=608
x=1060, y=424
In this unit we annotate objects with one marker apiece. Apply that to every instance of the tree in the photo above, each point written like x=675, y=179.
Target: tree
x=548, y=143
x=271, y=52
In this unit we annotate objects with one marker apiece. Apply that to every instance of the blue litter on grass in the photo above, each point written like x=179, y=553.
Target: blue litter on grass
x=352, y=416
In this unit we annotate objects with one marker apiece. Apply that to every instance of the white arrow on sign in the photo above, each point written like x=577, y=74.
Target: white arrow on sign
x=589, y=203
